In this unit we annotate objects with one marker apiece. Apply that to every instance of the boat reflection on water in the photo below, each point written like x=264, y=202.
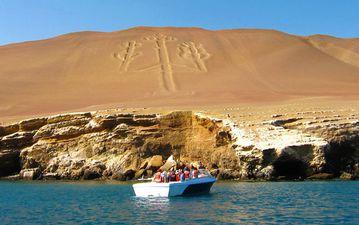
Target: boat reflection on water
x=152, y=203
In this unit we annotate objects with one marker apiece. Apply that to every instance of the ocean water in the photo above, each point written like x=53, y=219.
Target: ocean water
x=329, y=202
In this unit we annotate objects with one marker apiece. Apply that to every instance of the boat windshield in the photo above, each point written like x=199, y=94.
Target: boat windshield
x=204, y=173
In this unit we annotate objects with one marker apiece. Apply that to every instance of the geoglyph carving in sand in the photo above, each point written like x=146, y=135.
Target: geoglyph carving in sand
x=164, y=60
x=195, y=54
x=190, y=52
x=128, y=54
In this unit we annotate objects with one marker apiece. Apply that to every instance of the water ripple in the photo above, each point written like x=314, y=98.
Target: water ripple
x=228, y=203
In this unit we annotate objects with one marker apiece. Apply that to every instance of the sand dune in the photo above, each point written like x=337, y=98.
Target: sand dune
x=147, y=67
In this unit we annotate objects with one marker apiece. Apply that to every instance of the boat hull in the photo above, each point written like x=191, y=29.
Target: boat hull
x=190, y=187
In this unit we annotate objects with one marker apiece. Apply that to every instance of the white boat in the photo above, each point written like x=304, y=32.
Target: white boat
x=189, y=187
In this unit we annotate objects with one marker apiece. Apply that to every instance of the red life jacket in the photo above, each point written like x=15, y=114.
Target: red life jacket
x=178, y=176
x=195, y=173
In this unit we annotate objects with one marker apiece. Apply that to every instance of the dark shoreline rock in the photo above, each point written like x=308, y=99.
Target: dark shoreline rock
x=321, y=176
x=9, y=162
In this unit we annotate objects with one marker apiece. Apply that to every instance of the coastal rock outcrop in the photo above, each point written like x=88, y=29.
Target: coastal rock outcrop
x=291, y=147
x=129, y=146
x=117, y=146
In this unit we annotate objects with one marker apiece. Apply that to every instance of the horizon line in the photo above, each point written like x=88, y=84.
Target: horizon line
x=169, y=27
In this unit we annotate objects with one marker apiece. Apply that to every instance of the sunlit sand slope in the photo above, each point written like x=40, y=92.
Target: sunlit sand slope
x=148, y=67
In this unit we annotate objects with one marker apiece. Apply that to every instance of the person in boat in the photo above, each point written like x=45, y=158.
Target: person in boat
x=179, y=173
x=191, y=168
x=194, y=173
x=164, y=176
x=182, y=177
x=187, y=173
x=171, y=175
x=157, y=176
x=185, y=168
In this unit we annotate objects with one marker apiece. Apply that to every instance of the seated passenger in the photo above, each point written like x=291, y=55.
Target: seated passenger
x=157, y=177
x=191, y=168
x=182, y=177
x=171, y=175
x=178, y=175
x=185, y=168
x=186, y=174
x=164, y=177
x=195, y=173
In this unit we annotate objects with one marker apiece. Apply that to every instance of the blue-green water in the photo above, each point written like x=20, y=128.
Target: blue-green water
x=229, y=203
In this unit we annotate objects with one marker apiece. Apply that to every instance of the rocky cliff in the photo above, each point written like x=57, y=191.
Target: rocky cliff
x=127, y=146
x=119, y=146
x=297, y=147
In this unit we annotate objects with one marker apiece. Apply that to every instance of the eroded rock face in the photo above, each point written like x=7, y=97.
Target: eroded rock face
x=116, y=146
x=30, y=174
x=16, y=140
x=296, y=147
x=127, y=146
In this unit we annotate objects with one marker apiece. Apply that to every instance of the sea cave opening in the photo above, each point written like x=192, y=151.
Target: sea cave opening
x=290, y=168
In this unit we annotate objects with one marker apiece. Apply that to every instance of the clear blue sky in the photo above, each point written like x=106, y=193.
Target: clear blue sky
x=22, y=20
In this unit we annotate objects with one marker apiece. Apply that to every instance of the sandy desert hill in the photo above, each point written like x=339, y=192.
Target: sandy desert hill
x=149, y=67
